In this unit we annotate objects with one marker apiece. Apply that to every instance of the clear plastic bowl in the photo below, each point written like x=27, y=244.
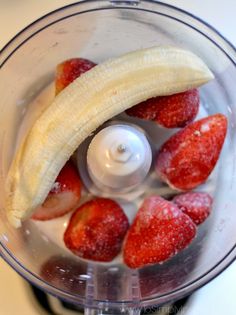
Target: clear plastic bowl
x=98, y=30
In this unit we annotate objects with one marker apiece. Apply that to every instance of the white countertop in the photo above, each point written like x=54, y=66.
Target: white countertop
x=217, y=297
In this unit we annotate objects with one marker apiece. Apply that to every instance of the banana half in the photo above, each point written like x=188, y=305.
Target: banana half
x=101, y=93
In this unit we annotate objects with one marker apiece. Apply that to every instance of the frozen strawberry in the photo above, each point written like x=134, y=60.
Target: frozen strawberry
x=159, y=231
x=96, y=230
x=171, y=111
x=189, y=156
x=69, y=70
x=197, y=205
x=63, y=197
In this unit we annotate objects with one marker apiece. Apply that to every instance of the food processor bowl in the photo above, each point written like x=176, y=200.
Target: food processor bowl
x=98, y=30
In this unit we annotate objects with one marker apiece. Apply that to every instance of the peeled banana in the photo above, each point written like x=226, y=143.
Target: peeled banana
x=101, y=93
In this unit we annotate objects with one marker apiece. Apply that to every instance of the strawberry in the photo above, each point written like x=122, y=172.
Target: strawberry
x=159, y=231
x=171, y=111
x=197, y=205
x=96, y=230
x=63, y=197
x=189, y=156
x=69, y=70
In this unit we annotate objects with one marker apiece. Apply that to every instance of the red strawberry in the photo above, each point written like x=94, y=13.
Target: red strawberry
x=189, y=156
x=63, y=197
x=159, y=231
x=69, y=70
x=197, y=205
x=171, y=111
x=96, y=230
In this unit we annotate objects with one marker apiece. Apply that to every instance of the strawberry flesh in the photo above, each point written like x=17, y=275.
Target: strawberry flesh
x=69, y=70
x=189, y=156
x=159, y=231
x=96, y=230
x=172, y=111
x=63, y=197
x=197, y=205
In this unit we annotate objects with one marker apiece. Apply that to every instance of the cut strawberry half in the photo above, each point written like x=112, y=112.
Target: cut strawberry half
x=96, y=230
x=172, y=111
x=69, y=70
x=197, y=205
x=188, y=157
x=63, y=197
x=159, y=231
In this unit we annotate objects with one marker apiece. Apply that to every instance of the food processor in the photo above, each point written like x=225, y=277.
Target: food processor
x=98, y=30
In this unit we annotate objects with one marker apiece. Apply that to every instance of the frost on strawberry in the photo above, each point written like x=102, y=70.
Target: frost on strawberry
x=197, y=205
x=189, y=156
x=96, y=230
x=159, y=231
x=172, y=111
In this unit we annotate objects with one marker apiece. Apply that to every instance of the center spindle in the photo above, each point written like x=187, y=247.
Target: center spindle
x=119, y=157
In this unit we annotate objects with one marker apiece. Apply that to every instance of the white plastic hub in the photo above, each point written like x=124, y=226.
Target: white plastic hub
x=119, y=157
